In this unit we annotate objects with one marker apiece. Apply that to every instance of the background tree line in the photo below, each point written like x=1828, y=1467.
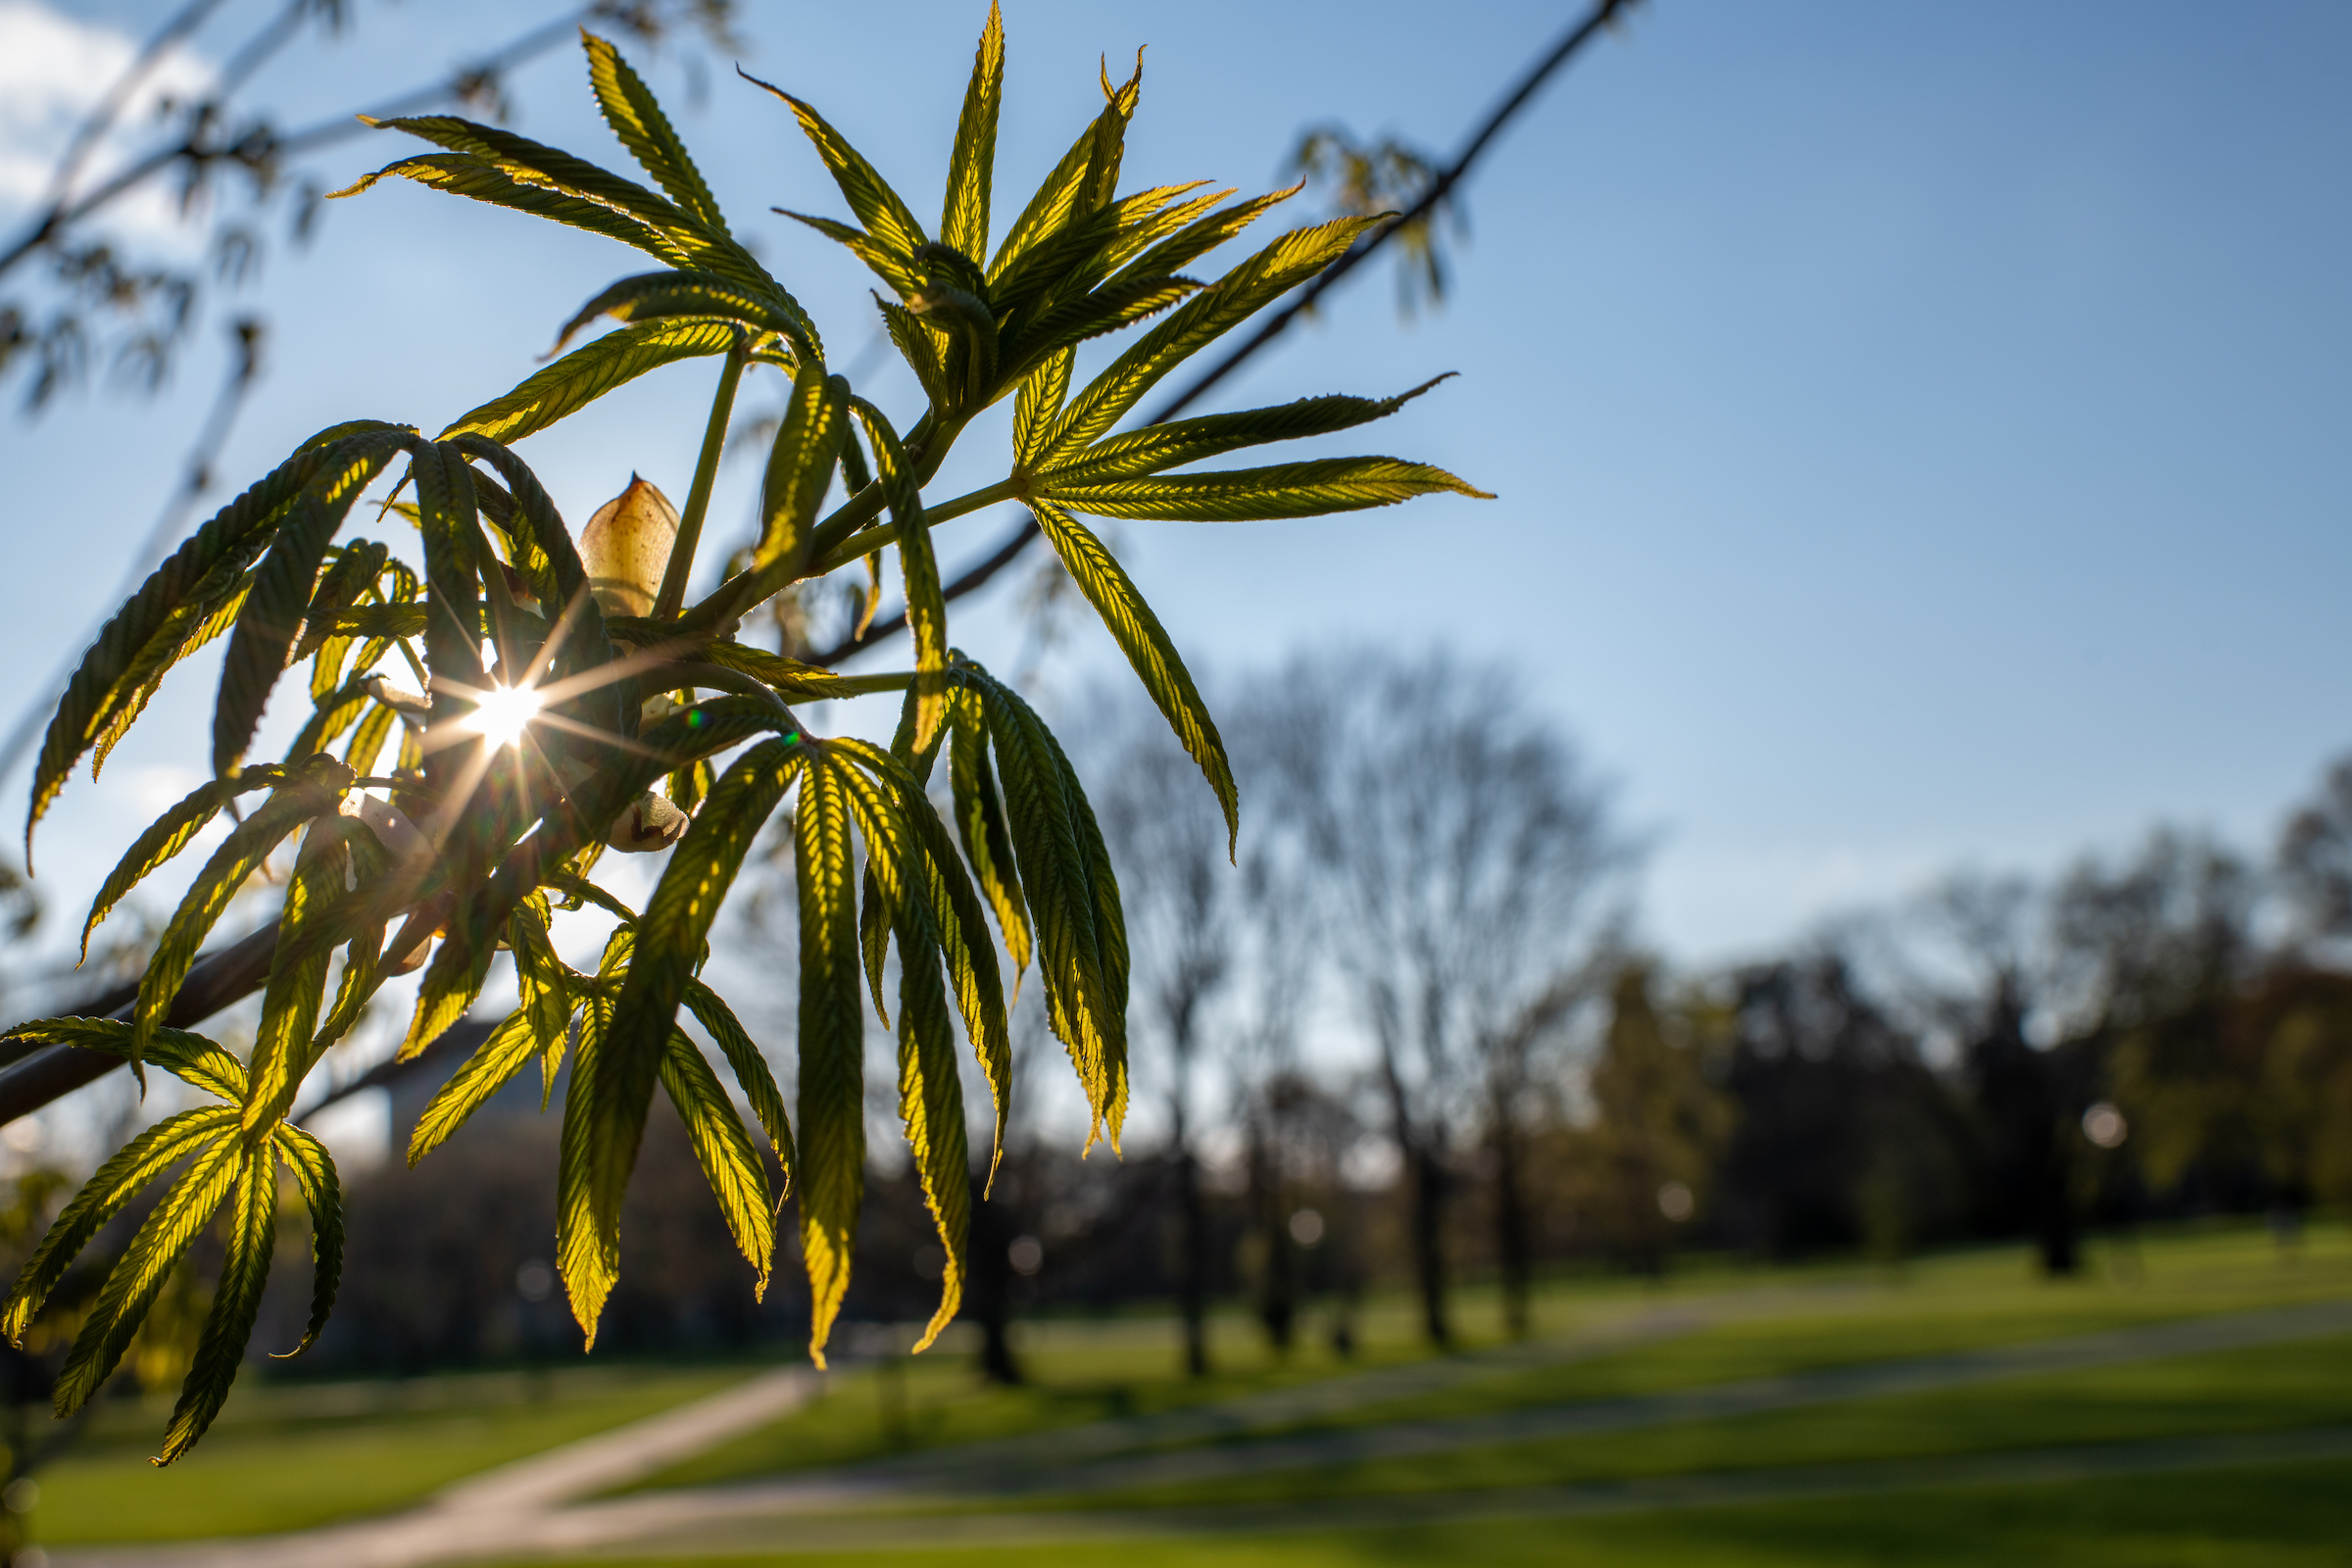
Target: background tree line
x=1406, y=1040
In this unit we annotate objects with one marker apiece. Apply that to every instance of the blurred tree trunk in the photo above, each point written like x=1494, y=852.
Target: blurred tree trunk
x=1278, y=1283
x=1513, y=1244
x=988, y=1290
x=1191, y=1278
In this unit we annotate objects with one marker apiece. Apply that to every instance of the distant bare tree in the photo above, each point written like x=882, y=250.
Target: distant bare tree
x=1460, y=850
x=1183, y=918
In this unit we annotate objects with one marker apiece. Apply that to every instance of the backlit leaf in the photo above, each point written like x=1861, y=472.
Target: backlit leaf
x=963, y=218
x=1148, y=648
x=588, y=372
x=832, y=1037
x=314, y=1173
x=724, y=1151
x=130, y=1287
x=670, y=940
x=1284, y=490
x=236, y=1300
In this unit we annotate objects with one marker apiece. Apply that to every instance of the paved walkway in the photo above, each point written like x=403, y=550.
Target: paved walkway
x=521, y=1509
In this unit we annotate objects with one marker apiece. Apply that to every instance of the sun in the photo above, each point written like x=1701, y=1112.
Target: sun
x=503, y=712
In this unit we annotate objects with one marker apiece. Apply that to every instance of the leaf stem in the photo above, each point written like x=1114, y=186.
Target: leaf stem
x=873, y=539
x=705, y=474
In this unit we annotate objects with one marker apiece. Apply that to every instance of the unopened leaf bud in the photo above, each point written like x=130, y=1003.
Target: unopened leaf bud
x=625, y=547
x=650, y=823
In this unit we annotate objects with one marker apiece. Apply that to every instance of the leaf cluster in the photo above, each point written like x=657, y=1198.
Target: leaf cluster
x=414, y=831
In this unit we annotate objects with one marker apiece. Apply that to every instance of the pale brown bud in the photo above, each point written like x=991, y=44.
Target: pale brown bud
x=650, y=823
x=625, y=547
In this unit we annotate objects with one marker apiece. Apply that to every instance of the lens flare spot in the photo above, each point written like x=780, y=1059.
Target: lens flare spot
x=504, y=712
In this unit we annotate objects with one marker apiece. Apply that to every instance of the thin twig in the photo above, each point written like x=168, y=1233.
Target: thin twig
x=243, y=371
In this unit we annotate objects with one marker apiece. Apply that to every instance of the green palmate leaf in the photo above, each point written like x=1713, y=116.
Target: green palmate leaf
x=452, y=562
x=565, y=592
x=190, y=1057
x=869, y=196
x=1224, y=305
x=167, y=835
x=724, y=1151
x=155, y=624
x=832, y=1030
x=926, y=601
x=873, y=943
x=209, y=619
x=1039, y=404
x=585, y=1257
x=1282, y=490
x=980, y=823
x=129, y=1289
x=751, y=1071
x=677, y=237
x=1110, y=922
x=452, y=982
x=236, y=1300
x=341, y=710
x=930, y=1089
x=1168, y=445
x=964, y=217
x=381, y=621
x=1112, y=307
x=447, y=518
x=1171, y=217
x=313, y=790
x=959, y=926
x=351, y=572
x=322, y=1193
x=545, y=984
x=1057, y=877
x=120, y=1180
x=281, y=588
x=1197, y=235
x=1080, y=184
x=1148, y=648
x=372, y=867
x=923, y=347
x=890, y=265
x=483, y=181
x=669, y=943
x=637, y=120
x=1067, y=263
x=689, y=296
x=283, y=1043
x=494, y=1063
x=967, y=371
x=588, y=372
x=799, y=468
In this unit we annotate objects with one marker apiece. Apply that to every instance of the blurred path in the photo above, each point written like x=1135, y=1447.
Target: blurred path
x=626, y=1454
x=1720, y=1488
x=480, y=1514
x=518, y=1510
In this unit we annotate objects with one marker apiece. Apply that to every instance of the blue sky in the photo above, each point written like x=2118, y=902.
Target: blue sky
x=1920, y=430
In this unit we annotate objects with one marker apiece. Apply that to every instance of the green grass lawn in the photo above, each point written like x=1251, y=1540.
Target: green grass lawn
x=289, y=1456
x=1808, y=1319
x=285, y=1456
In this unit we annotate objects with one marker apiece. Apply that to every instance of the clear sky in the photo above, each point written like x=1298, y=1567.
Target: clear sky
x=1921, y=430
